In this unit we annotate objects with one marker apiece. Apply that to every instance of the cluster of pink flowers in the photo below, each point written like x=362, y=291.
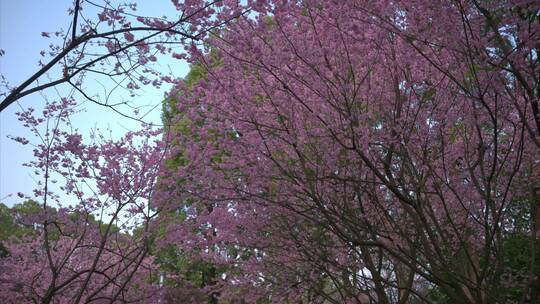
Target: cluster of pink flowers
x=358, y=150
x=329, y=152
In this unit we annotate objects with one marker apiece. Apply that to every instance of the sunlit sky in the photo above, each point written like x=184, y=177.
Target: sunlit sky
x=21, y=24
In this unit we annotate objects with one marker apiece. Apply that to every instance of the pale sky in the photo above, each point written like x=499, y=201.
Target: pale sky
x=21, y=24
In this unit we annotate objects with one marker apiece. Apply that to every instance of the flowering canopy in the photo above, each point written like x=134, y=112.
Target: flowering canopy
x=362, y=150
x=321, y=152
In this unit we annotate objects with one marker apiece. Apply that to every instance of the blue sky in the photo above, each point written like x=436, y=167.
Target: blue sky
x=21, y=24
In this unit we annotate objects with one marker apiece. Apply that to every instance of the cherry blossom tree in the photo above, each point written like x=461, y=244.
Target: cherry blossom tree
x=87, y=250
x=72, y=256
x=320, y=152
x=112, y=41
x=364, y=152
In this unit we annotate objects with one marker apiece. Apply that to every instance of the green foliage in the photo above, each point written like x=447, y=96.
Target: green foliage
x=10, y=222
x=13, y=227
x=11, y=219
x=516, y=255
x=172, y=260
x=435, y=296
x=196, y=74
x=519, y=248
x=7, y=223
